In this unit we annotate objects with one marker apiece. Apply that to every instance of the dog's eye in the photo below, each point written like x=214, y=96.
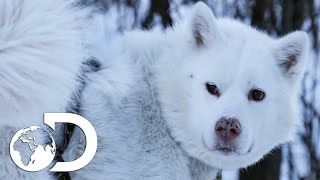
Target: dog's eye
x=256, y=95
x=213, y=89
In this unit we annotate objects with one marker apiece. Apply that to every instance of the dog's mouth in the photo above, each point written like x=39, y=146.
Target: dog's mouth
x=227, y=149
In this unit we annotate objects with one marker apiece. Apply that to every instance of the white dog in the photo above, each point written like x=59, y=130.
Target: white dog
x=41, y=52
x=209, y=94
x=206, y=95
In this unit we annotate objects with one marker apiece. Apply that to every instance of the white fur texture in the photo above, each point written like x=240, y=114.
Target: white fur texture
x=154, y=117
x=41, y=51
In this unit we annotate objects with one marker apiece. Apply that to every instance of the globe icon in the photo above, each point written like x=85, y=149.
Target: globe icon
x=32, y=148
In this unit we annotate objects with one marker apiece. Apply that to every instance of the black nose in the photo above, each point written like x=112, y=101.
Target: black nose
x=228, y=129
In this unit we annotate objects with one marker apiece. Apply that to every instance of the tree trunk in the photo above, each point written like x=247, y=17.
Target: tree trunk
x=161, y=8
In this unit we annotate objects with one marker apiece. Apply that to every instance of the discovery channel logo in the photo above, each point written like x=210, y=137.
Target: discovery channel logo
x=43, y=150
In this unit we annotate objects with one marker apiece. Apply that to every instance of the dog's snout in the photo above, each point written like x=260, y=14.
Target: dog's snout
x=228, y=129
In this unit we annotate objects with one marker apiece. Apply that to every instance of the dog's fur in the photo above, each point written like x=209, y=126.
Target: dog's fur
x=41, y=51
x=149, y=104
x=156, y=120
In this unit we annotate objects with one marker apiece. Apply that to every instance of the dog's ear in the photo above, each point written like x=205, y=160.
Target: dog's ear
x=203, y=25
x=291, y=53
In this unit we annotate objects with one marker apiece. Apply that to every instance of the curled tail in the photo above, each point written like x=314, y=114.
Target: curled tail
x=41, y=51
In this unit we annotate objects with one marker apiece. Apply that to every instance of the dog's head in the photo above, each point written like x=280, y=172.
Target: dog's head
x=232, y=97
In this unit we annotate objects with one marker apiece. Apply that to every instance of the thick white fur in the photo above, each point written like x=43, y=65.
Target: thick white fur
x=154, y=117
x=41, y=51
x=167, y=74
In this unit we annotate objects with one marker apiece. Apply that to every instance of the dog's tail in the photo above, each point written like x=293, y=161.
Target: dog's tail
x=41, y=51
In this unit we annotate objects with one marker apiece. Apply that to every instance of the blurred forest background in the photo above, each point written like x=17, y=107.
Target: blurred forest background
x=298, y=160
